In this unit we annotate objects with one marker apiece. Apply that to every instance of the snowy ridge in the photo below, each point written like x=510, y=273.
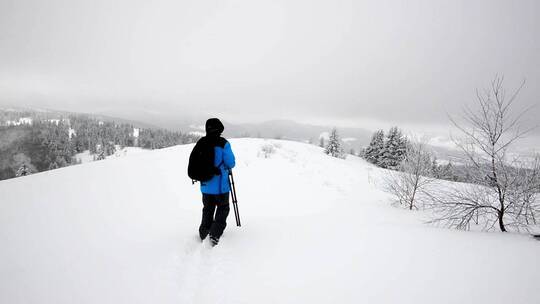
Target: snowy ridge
x=315, y=229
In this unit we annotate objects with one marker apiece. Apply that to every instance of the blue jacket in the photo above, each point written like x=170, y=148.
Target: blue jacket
x=224, y=160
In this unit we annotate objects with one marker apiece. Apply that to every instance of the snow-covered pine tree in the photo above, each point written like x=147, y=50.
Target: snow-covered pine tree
x=394, y=151
x=372, y=152
x=447, y=172
x=334, y=146
x=22, y=165
x=53, y=165
x=109, y=148
x=362, y=153
x=100, y=153
x=23, y=171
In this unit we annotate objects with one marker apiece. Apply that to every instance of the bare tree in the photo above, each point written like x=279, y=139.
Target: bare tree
x=459, y=205
x=408, y=186
x=489, y=131
x=522, y=200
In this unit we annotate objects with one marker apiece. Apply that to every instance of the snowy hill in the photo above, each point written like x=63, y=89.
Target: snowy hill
x=315, y=230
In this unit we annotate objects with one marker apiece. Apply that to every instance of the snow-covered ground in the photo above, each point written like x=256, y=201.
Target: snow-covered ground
x=127, y=151
x=315, y=229
x=86, y=156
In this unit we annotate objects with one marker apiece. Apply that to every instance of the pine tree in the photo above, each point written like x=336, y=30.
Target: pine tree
x=100, y=155
x=53, y=165
x=394, y=149
x=109, y=148
x=375, y=148
x=23, y=171
x=334, y=146
x=362, y=153
x=447, y=172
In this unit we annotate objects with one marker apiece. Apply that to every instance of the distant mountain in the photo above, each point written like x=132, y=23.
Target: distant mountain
x=285, y=129
x=173, y=120
x=354, y=138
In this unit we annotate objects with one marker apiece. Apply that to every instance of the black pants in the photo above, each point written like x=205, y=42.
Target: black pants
x=210, y=224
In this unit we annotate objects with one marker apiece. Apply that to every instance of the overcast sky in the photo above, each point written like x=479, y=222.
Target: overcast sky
x=343, y=62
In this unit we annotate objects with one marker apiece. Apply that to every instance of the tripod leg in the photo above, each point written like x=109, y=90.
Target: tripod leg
x=235, y=202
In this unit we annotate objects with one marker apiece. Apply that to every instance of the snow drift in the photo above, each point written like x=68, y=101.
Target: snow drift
x=315, y=230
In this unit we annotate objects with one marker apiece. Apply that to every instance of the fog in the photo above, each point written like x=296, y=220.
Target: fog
x=353, y=63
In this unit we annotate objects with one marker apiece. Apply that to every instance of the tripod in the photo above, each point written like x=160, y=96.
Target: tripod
x=234, y=200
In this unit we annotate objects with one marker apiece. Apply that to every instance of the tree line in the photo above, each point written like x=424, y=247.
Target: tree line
x=49, y=144
x=391, y=149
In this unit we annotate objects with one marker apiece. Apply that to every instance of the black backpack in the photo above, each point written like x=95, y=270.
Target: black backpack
x=201, y=160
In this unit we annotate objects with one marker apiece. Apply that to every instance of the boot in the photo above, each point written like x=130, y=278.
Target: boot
x=214, y=240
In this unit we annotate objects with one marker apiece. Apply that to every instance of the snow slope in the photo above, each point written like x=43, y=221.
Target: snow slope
x=86, y=156
x=315, y=230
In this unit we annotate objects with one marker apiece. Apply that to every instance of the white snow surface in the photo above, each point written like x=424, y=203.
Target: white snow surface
x=315, y=230
x=86, y=156
x=128, y=151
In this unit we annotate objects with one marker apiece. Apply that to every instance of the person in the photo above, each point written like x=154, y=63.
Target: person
x=215, y=192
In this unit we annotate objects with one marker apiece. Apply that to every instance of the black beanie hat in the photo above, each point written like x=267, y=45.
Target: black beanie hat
x=214, y=127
